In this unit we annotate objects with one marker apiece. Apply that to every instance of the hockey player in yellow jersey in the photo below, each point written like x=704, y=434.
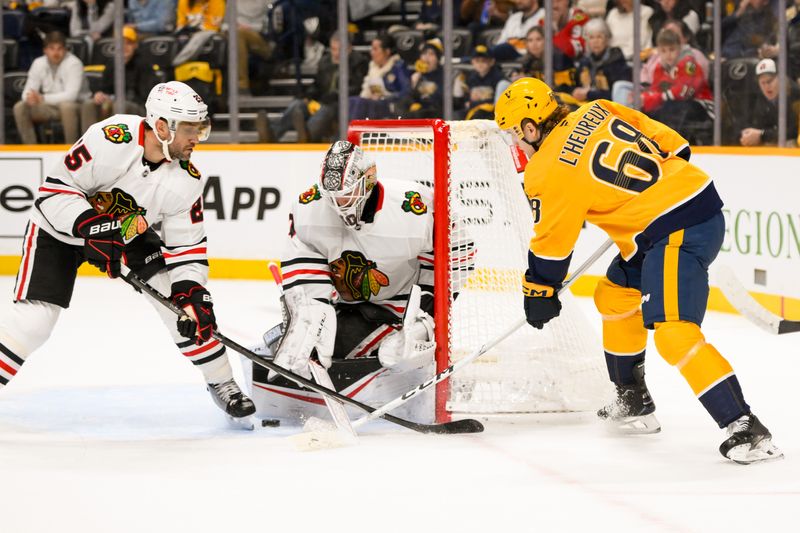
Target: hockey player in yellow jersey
x=630, y=175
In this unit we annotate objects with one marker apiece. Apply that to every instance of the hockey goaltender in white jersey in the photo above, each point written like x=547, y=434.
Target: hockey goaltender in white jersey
x=97, y=205
x=357, y=245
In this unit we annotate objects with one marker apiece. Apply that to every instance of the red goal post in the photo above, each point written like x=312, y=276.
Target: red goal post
x=474, y=170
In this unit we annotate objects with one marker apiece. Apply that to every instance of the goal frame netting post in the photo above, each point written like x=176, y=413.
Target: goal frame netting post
x=441, y=233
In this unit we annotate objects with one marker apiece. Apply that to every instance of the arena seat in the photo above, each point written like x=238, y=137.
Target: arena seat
x=158, y=50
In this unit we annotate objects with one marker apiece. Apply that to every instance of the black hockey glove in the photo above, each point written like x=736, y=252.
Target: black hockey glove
x=103, y=243
x=541, y=303
x=196, y=302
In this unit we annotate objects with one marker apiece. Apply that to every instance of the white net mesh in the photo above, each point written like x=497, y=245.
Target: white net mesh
x=560, y=368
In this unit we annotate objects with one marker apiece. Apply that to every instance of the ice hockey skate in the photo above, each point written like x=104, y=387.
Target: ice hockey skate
x=749, y=441
x=238, y=407
x=632, y=412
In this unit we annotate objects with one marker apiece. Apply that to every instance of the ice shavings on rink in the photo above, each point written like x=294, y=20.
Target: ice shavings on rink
x=106, y=429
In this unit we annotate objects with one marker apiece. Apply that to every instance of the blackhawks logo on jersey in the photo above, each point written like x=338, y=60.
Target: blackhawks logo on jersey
x=190, y=168
x=356, y=277
x=117, y=133
x=310, y=195
x=123, y=206
x=414, y=204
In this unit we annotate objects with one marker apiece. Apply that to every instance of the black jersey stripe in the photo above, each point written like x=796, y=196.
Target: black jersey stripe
x=300, y=260
x=171, y=266
x=201, y=241
x=299, y=282
x=11, y=355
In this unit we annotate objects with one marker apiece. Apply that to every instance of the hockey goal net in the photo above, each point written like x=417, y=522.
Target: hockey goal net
x=477, y=190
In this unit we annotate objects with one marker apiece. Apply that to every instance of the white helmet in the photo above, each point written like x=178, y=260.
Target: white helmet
x=348, y=176
x=176, y=102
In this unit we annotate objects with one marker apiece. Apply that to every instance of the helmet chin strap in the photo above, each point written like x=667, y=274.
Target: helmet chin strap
x=537, y=143
x=165, y=144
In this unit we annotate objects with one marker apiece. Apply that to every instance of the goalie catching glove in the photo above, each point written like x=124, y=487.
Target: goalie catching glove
x=199, y=321
x=412, y=345
x=541, y=303
x=311, y=327
x=103, y=243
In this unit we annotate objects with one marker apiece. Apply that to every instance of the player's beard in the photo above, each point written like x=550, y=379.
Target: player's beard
x=176, y=153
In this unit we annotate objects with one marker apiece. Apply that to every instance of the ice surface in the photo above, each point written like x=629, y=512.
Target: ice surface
x=106, y=429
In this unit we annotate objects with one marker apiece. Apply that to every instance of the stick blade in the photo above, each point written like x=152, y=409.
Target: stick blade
x=321, y=435
x=467, y=425
x=788, y=326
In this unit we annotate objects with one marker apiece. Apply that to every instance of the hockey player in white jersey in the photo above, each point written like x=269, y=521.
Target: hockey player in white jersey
x=97, y=204
x=357, y=245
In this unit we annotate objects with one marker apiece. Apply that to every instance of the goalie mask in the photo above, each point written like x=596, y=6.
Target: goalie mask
x=347, y=178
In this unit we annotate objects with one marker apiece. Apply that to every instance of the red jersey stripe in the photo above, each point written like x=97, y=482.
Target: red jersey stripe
x=26, y=263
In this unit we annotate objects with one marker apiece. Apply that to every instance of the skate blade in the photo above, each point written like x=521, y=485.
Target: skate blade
x=246, y=423
x=635, y=425
x=763, y=451
x=321, y=435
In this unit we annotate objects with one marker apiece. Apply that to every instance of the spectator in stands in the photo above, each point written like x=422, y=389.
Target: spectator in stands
x=430, y=16
x=387, y=81
x=620, y=22
x=593, y=8
x=568, y=25
x=685, y=36
x=251, y=15
x=477, y=88
x=665, y=10
x=197, y=22
x=139, y=79
x=564, y=73
x=194, y=15
x=679, y=93
x=313, y=49
x=91, y=19
x=152, y=16
x=793, y=40
x=315, y=117
x=425, y=99
x=478, y=15
x=511, y=42
x=745, y=31
x=602, y=66
x=51, y=91
x=763, y=127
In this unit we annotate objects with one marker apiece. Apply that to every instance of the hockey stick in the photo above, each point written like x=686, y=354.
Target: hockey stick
x=456, y=426
x=444, y=374
x=737, y=295
x=347, y=435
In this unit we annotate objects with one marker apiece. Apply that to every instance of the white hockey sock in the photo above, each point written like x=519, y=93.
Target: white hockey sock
x=24, y=326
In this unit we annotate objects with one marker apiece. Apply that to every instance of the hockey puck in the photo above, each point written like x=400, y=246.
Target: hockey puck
x=270, y=423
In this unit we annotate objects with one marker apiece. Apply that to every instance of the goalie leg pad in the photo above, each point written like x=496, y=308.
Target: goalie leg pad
x=311, y=326
x=708, y=373
x=624, y=334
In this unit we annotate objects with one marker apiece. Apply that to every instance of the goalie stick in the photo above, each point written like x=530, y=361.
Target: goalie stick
x=444, y=374
x=457, y=426
x=335, y=407
x=737, y=295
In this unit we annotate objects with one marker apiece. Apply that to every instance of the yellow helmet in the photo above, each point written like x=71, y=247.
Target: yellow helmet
x=525, y=98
